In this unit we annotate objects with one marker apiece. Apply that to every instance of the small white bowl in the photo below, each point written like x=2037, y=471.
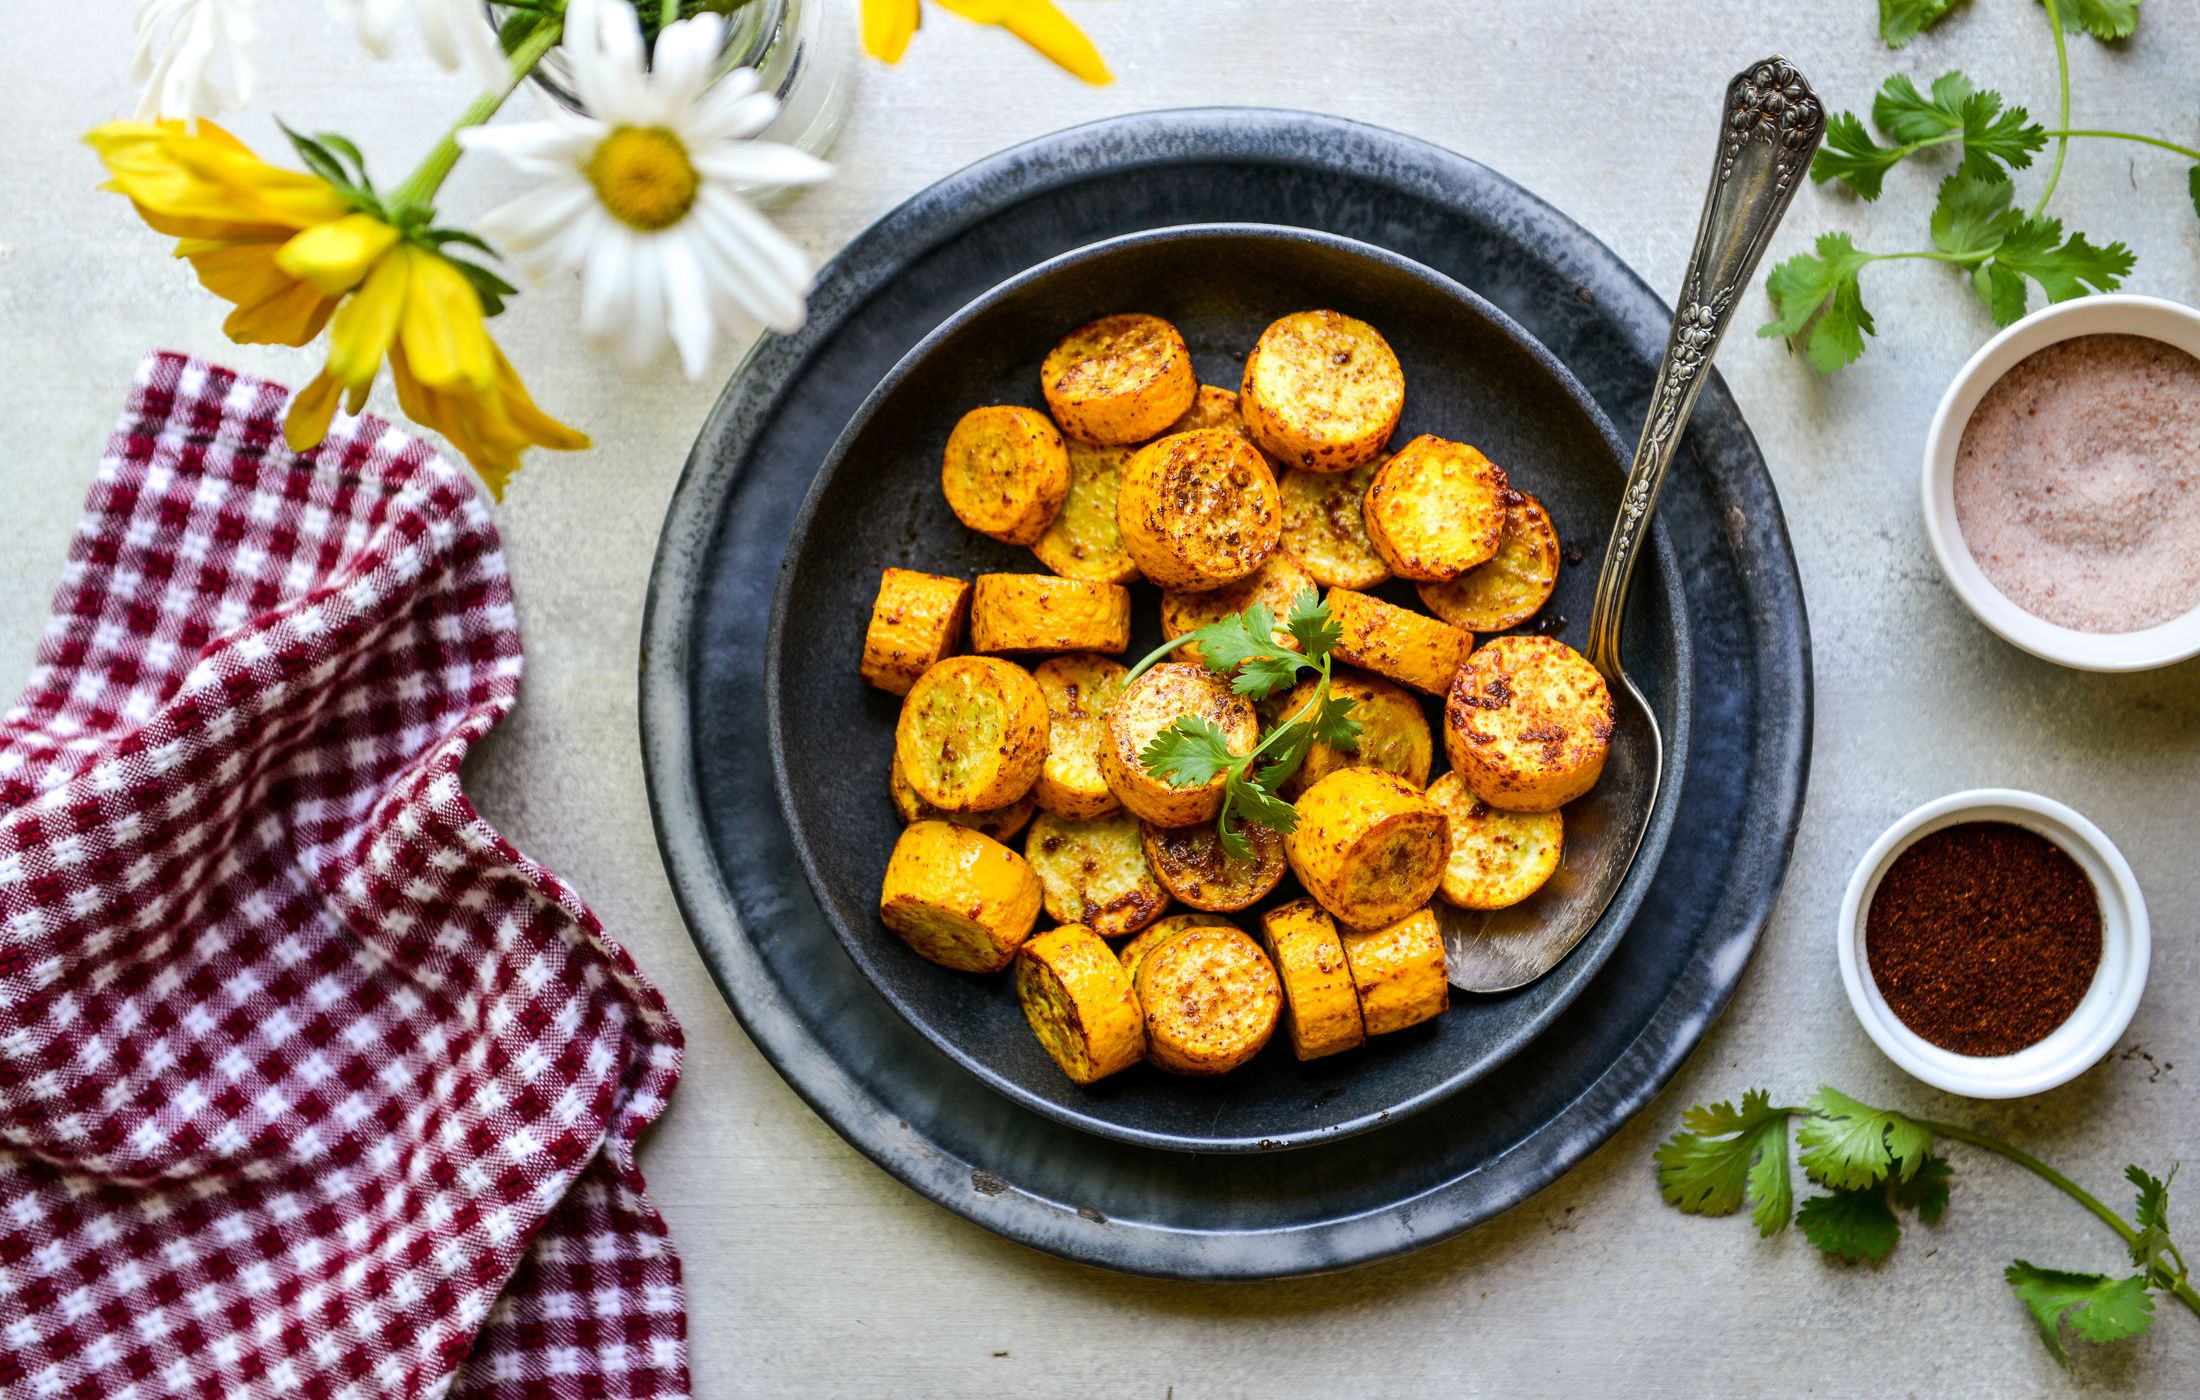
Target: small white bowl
x=2161, y=645
x=2102, y=1015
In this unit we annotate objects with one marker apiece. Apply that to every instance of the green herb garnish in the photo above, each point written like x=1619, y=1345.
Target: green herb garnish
x=1976, y=224
x=1243, y=646
x=1874, y=1163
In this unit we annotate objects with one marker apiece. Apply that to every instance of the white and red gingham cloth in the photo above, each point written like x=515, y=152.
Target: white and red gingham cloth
x=310, y=1084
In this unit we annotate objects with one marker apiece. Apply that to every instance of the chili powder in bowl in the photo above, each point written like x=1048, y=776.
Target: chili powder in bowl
x=1994, y=943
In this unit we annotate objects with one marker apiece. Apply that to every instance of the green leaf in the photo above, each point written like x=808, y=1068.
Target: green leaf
x=2099, y=1308
x=1235, y=844
x=2192, y=187
x=491, y=288
x=1927, y=1191
x=1973, y=215
x=1851, y=1224
x=317, y=157
x=1903, y=20
x=1819, y=298
x=2064, y=268
x=2103, y=19
x=1310, y=626
x=1245, y=643
x=1725, y=1156
x=1847, y=1144
x=1989, y=134
x=1334, y=725
x=1285, y=756
x=1852, y=157
x=2152, y=1215
x=1257, y=804
x=439, y=237
x=1189, y=752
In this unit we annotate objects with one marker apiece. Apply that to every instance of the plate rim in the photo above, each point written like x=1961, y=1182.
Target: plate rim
x=1594, y=949
x=939, y=212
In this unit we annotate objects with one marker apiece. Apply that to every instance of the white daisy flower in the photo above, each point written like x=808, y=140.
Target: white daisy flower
x=638, y=194
x=455, y=31
x=178, y=44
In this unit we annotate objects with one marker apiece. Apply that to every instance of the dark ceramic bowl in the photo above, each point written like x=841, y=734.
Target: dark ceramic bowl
x=1471, y=373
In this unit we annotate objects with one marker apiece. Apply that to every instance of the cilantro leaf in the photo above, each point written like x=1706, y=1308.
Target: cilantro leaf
x=1310, y=626
x=2152, y=1215
x=1903, y=20
x=1333, y=723
x=1851, y=156
x=1819, y=298
x=1725, y=1156
x=2098, y=1308
x=1851, y=1224
x=2064, y=268
x=1988, y=133
x=1847, y=1144
x=1258, y=804
x=2104, y=19
x=1189, y=752
x=1927, y=1192
x=1285, y=758
x=1973, y=216
x=1245, y=643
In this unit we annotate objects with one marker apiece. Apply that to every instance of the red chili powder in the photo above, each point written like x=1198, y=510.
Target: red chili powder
x=1983, y=937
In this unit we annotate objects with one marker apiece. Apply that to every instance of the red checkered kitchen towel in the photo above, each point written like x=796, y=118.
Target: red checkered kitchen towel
x=310, y=1084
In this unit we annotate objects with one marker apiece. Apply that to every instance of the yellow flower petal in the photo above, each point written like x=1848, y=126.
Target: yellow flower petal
x=1039, y=24
x=888, y=26
x=445, y=341
x=490, y=429
x=336, y=256
x=208, y=185
x=311, y=408
x=366, y=325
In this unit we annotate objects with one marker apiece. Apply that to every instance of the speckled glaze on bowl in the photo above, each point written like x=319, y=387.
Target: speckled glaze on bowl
x=1471, y=374
x=911, y=1109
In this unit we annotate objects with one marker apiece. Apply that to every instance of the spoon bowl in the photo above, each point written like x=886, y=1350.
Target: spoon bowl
x=1770, y=129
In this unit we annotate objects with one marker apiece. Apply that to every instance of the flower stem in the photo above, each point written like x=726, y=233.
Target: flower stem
x=2062, y=80
x=2186, y=151
x=418, y=191
x=2182, y=1289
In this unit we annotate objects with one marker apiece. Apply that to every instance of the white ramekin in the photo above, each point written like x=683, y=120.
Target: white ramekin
x=2161, y=645
x=2101, y=1016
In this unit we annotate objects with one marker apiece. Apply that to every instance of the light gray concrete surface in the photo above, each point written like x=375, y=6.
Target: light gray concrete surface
x=809, y=1271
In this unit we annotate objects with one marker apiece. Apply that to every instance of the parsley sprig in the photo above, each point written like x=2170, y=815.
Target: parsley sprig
x=1874, y=1162
x=1976, y=224
x=1243, y=646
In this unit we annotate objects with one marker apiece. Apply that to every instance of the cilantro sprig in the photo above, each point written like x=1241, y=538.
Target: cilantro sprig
x=1243, y=646
x=1976, y=224
x=1876, y=1163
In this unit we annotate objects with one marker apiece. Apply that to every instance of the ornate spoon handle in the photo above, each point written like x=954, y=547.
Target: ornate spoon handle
x=1772, y=126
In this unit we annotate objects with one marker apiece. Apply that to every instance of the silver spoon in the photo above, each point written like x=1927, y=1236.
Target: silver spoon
x=1770, y=129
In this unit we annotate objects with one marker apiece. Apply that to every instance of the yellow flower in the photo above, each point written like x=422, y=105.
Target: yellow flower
x=888, y=25
x=294, y=256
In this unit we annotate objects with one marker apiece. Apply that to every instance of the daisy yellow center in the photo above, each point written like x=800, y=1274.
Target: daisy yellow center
x=644, y=177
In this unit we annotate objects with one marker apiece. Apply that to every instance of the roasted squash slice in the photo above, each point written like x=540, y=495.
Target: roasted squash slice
x=1436, y=509
x=916, y=621
x=972, y=734
x=1397, y=643
x=1198, y=510
x=1191, y=864
x=1321, y=1006
x=1084, y=541
x=1369, y=846
x=1399, y=970
x=1322, y=391
x=958, y=897
x=1514, y=585
x=1042, y=613
x=1528, y=723
x=1497, y=858
x=1325, y=526
x=1002, y=823
x=1278, y=583
x=1211, y=1000
x=1079, y=689
x=1006, y=473
x=1119, y=379
x=1155, y=934
x=1095, y=873
x=1080, y=1004
x=1394, y=732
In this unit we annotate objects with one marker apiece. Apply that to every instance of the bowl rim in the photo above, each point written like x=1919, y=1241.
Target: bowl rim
x=2101, y=1017
x=2121, y=313
x=1624, y=905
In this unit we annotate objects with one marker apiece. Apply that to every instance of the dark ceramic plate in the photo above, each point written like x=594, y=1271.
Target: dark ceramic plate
x=1471, y=374
x=908, y=1106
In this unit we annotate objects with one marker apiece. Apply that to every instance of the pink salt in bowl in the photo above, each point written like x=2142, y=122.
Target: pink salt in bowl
x=2162, y=643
